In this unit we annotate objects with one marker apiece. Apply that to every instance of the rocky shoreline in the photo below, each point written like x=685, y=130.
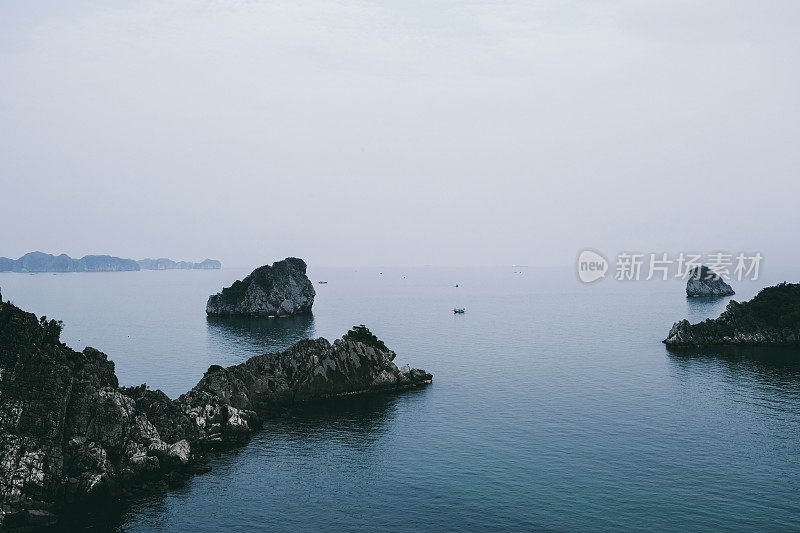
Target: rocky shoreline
x=69, y=433
x=771, y=318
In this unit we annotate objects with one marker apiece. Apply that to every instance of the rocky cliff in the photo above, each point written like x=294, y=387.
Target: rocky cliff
x=69, y=433
x=282, y=289
x=771, y=318
x=705, y=282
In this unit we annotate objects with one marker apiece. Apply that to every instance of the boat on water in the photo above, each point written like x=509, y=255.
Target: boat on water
x=458, y=310
x=322, y=282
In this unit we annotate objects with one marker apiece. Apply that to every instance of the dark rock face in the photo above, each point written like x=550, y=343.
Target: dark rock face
x=282, y=289
x=705, y=282
x=771, y=318
x=228, y=403
x=68, y=432
x=66, y=429
x=168, y=264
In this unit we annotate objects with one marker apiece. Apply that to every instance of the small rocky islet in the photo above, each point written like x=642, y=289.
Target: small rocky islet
x=280, y=290
x=69, y=433
x=704, y=282
x=771, y=318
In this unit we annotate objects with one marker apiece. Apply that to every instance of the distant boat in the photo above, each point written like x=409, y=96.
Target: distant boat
x=322, y=282
x=458, y=310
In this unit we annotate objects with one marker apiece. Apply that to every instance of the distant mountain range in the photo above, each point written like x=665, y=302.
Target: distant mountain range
x=42, y=262
x=168, y=264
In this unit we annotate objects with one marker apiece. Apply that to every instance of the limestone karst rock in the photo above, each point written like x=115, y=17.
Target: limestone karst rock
x=282, y=289
x=771, y=318
x=69, y=432
x=703, y=281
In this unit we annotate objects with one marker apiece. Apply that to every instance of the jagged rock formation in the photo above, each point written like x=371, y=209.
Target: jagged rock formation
x=68, y=432
x=228, y=403
x=42, y=262
x=282, y=289
x=705, y=282
x=771, y=318
x=168, y=264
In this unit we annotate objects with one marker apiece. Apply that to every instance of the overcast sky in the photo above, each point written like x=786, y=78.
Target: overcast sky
x=399, y=133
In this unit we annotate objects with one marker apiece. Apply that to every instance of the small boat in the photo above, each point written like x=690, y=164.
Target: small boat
x=458, y=310
x=322, y=282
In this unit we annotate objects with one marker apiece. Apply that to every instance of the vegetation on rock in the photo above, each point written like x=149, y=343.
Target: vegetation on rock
x=771, y=318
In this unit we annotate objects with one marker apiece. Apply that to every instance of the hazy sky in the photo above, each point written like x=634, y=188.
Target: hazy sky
x=405, y=133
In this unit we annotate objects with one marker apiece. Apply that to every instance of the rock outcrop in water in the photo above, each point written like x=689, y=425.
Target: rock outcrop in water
x=705, y=282
x=771, y=318
x=69, y=433
x=282, y=289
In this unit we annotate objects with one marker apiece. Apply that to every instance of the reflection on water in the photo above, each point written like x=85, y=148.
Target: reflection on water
x=358, y=420
x=340, y=444
x=701, y=308
x=552, y=407
x=751, y=374
x=311, y=465
x=766, y=360
x=113, y=515
x=347, y=434
x=238, y=338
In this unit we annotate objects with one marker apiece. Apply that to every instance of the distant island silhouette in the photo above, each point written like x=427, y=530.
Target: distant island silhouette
x=42, y=262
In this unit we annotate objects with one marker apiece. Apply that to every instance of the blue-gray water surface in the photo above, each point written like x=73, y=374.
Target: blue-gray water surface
x=554, y=405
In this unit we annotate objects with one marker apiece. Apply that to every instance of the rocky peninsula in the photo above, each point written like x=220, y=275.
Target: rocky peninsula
x=771, y=318
x=703, y=281
x=69, y=433
x=42, y=262
x=282, y=289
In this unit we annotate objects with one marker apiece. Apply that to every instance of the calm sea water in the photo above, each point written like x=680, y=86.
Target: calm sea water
x=554, y=405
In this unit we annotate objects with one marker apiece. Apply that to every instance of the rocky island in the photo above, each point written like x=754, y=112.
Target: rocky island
x=168, y=264
x=771, y=318
x=282, y=289
x=42, y=262
x=69, y=433
x=703, y=281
